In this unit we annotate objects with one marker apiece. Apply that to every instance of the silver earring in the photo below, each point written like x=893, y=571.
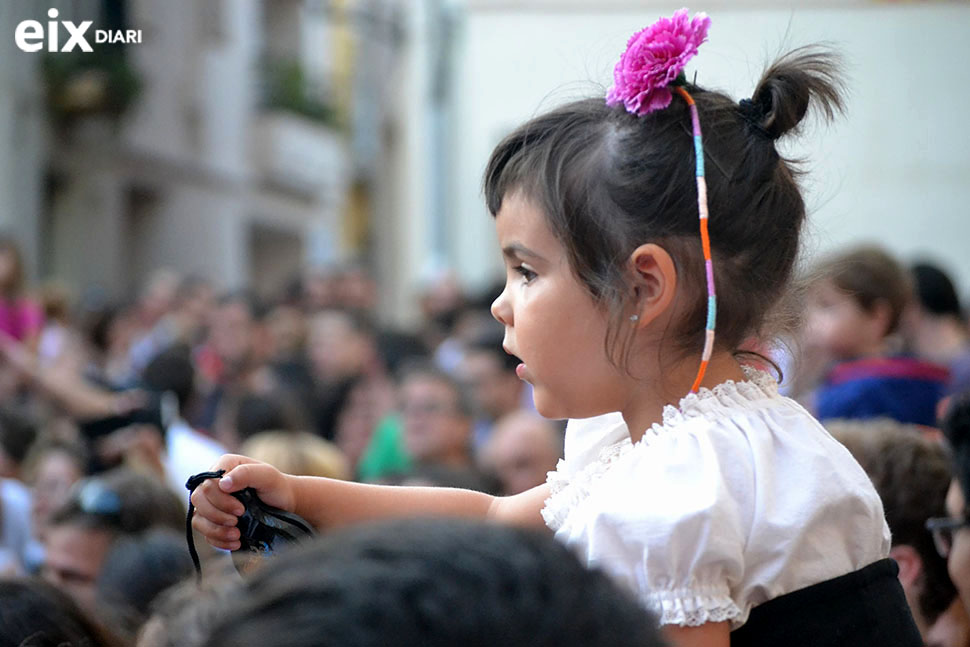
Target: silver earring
x=634, y=318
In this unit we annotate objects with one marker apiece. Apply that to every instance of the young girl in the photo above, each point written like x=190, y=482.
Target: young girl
x=713, y=506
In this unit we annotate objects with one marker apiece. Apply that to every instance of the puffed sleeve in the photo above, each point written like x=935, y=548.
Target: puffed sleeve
x=669, y=521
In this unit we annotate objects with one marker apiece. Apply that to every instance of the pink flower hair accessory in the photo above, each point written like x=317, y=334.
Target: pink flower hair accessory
x=654, y=59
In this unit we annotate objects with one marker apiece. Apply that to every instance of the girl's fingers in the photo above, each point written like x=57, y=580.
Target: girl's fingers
x=216, y=505
x=265, y=479
x=218, y=536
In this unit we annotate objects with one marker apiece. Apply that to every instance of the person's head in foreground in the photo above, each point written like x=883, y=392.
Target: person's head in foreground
x=428, y=583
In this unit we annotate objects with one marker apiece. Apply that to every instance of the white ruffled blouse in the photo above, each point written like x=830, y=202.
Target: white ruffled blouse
x=740, y=496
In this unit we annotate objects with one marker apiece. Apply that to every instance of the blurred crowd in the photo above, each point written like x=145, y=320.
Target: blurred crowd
x=106, y=409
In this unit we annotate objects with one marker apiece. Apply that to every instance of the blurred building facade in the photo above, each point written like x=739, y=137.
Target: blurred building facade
x=271, y=135
x=240, y=139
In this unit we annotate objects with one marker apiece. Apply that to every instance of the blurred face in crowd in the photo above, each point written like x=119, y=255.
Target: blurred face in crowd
x=287, y=330
x=231, y=333
x=158, y=296
x=441, y=297
x=56, y=473
x=197, y=306
x=336, y=350
x=523, y=449
x=73, y=560
x=494, y=390
x=320, y=290
x=435, y=429
x=356, y=289
x=838, y=325
x=958, y=561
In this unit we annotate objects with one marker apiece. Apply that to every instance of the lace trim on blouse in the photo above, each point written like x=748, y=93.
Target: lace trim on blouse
x=692, y=607
x=567, y=493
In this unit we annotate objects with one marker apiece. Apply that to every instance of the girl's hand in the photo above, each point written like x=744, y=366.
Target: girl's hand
x=217, y=511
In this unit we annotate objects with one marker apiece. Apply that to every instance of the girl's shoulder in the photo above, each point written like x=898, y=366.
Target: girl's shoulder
x=731, y=445
x=709, y=411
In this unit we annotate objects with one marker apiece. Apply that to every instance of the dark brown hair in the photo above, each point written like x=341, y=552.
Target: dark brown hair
x=33, y=612
x=609, y=181
x=870, y=276
x=432, y=582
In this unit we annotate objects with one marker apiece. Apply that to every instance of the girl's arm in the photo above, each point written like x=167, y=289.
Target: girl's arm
x=327, y=503
x=711, y=634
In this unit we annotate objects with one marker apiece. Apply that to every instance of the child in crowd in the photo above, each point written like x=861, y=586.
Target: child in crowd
x=723, y=505
x=857, y=303
x=935, y=327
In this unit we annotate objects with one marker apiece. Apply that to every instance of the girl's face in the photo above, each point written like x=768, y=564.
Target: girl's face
x=551, y=322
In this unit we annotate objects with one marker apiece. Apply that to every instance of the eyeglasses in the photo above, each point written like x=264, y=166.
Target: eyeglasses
x=943, y=529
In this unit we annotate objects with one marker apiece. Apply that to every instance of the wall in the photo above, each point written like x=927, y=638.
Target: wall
x=895, y=169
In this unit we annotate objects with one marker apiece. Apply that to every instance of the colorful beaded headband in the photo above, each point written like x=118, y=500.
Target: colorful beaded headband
x=652, y=64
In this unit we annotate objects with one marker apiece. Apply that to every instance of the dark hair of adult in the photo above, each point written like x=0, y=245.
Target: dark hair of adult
x=182, y=615
x=35, y=614
x=275, y=411
x=956, y=428
x=172, y=370
x=136, y=570
x=430, y=583
x=17, y=434
x=935, y=290
x=608, y=181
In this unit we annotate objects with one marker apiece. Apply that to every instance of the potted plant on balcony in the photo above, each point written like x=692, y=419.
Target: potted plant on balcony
x=83, y=84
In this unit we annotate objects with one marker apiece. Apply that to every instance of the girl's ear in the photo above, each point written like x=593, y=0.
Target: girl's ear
x=654, y=282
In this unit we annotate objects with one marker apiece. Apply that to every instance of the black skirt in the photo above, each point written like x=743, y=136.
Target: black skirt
x=861, y=609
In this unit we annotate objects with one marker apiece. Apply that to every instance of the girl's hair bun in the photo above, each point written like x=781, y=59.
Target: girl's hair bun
x=793, y=83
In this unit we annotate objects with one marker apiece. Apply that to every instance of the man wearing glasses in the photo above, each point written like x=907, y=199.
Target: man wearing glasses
x=99, y=510
x=952, y=533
